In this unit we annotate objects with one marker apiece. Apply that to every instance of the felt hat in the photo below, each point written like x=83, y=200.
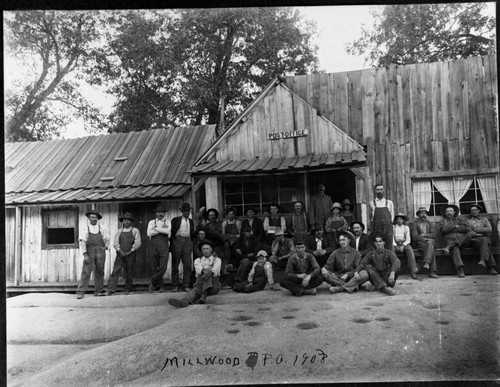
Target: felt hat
x=421, y=209
x=443, y=209
x=346, y=201
x=346, y=233
x=160, y=208
x=126, y=215
x=246, y=228
x=262, y=253
x=299, y=241
x=93, y=212
x=214, y=210
x=316, y=226
x=400, y=215
x=206, y=242
x=336, y=205
x=476, y=205
x=185, y=207
x=360, y=223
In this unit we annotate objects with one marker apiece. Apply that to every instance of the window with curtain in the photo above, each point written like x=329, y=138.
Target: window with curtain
x=462, y=191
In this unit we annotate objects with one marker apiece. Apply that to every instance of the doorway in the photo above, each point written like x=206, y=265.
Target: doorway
x=340, y=184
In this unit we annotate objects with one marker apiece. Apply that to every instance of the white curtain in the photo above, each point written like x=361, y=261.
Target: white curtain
x=462, y=185
x=445, y=188
x=422, y=194
x=488, y=187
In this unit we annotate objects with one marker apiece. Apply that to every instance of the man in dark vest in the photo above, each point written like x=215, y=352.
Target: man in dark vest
x=382, y=214
x=126, y=242
x=361, y=240
x=158, y=232
x=94, y=243
x=181, y=245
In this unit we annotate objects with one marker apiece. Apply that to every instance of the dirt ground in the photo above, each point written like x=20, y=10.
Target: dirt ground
x=444, y=329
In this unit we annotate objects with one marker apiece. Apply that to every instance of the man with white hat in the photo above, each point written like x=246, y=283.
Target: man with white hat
x=260, y=274
x=94, y=242
x=158, y=232
x=126, y=242
x=481, y=229
x=422, y=233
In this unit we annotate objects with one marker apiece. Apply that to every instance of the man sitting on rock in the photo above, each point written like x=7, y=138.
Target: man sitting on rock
x=260, y=274
x=302, y=273
x=208, y=269
x=481, y=231
x=382, y=266
x=340, y=267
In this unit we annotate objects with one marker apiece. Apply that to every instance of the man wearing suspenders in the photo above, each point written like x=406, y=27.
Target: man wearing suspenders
x=93, y=242
x=382, y=211
x=158, y=232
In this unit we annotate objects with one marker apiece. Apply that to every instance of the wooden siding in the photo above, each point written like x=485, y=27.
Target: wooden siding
x=431, y=117
x=282, y=110
x=10, y=237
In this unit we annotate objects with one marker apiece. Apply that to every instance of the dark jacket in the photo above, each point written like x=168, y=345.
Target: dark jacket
x=364, y=244
x=310, y=244
x=176, y=224
x=257, y=228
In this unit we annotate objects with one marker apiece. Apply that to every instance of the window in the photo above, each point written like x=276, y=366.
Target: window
x=259, y=194
x=463, y=191
x=60, y=228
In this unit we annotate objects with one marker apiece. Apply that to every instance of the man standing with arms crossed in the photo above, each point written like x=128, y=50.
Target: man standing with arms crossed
x=182, y=248
x=158, y=232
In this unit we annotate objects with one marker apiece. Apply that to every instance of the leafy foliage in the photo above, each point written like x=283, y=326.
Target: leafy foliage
x=49, y=45
x=405, y=34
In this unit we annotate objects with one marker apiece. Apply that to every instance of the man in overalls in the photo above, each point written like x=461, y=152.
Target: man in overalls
x=231, y=228
x=382, y=211
x=93, y=242
x=126, y=242
x=158, y=232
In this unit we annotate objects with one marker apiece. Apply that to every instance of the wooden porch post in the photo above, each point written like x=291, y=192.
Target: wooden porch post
x=17, y=246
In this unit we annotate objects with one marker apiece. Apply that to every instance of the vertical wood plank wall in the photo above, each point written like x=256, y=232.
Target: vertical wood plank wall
x=430, y=117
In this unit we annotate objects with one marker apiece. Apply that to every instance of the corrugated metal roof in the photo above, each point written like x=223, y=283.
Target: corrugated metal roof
x=96, y=194
x=146, y=161
x=270, y=164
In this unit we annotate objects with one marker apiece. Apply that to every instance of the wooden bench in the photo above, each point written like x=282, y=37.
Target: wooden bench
x=470, y=257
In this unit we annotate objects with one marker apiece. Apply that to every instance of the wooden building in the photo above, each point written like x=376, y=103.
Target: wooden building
x=51, y=185
x=428, y=132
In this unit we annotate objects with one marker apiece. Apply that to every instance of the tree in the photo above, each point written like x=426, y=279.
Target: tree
x=175, y=68
x=51, y=44
x=405, y=34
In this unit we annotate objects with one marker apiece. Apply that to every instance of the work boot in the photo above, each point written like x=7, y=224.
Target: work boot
x=162, y=290
x=127, y=293
x=388, y=291
x=426, y=268
x=414, y=275
x=368, y=287
x=203, y=298
x=151, y=288
x=178, y=303
x=175, y=288
x=79, y=296
x=100, y=294
x=336, y=289
x=433, y=274
x=482, y=263
x=310, y=292
x=186, y=289
x=493, y=271
x=109, y=293
x=460, y=272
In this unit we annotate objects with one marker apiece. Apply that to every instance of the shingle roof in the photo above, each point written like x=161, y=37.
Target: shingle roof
x=156, y=160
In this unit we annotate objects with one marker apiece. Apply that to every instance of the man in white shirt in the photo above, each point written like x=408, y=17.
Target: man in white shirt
x=402, y=242
x=207, y=283
x=158, y=232
x=382, y=214
x=126, y=242
x=94, y=241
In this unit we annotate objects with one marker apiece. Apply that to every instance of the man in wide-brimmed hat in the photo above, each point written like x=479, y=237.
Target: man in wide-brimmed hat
x=302, y=273
x=208, y=270
x=93, y=241
x=481, y=229
x=423, y=236
x=159, y=234
x=361, y=240
x=341, y=264
x=255, y=224
x=382, y=266
x=209, y=221
x=281, y=250
x=245, y=252
x=318, y=244
x=181, y=246
x=456, y=233
x=231, y=229
x=402, y=242
x=126, y=242
x=273, y=223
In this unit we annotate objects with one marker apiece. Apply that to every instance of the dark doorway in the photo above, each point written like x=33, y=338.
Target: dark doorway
x=340, y=184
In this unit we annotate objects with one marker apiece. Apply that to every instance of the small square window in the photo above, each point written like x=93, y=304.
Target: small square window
x=59, y=228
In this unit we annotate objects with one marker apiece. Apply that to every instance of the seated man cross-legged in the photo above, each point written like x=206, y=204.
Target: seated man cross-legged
x=260, y=274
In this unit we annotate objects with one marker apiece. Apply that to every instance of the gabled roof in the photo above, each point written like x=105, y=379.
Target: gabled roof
x=120, y=166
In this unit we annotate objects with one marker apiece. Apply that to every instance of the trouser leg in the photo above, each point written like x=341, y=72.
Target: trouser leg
x=410, y=256
x=157, y=277
x=456, y=256
x=315, y=281
x=187, y=262
x=176, y=259
x=294, y=285
x=333, y=279
x=483, y=244
x=259, y=283
x=353, y=284
x=115, y=274
x=243, y=270
x=375, y=277
x=129, y=272
x=87, y=268
x=99, y=272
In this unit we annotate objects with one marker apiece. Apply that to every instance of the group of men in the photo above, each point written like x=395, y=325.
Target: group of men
x=331, y=250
